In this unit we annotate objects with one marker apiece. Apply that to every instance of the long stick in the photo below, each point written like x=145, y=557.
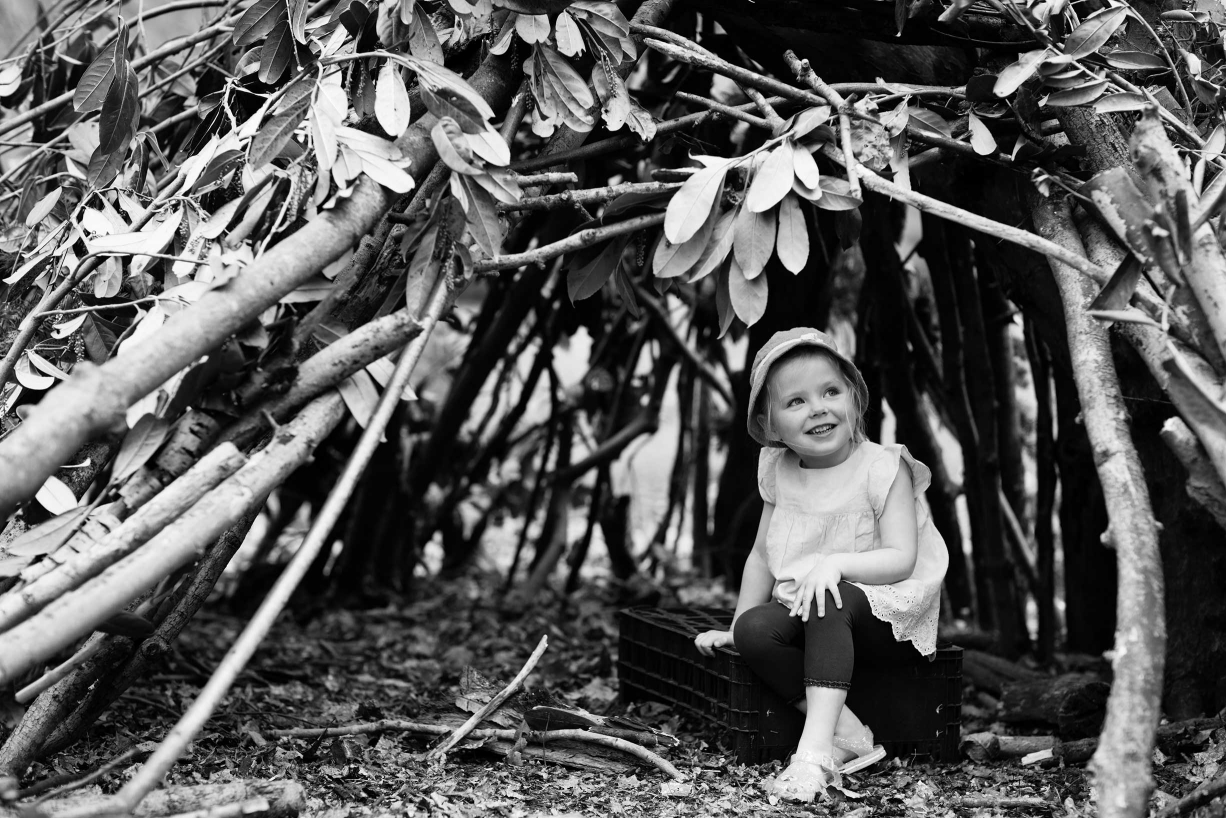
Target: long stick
x=492, y=705
x=400, y=725
x=584, y=238
x=173, y=746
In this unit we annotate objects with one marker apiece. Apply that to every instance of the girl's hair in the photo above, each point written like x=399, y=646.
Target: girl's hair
x=858, y=401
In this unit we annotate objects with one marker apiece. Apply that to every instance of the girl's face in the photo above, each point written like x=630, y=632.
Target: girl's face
x=812, y=410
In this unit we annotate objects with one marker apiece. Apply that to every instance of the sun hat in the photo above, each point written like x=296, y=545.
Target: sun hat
x=779, y=345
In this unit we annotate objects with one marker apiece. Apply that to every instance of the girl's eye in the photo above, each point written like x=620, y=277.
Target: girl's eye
x=832, y=391
x=794, y=401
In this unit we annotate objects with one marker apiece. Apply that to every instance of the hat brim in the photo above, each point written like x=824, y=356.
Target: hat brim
x=762, y=368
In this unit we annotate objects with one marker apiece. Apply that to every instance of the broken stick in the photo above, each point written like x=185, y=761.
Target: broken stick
x=494, y=703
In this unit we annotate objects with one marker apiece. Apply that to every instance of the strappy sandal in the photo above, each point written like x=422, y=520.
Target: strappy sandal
x=806, y=778
x=858, y=752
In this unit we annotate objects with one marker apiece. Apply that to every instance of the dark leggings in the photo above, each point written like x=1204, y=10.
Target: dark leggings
x=791, y=655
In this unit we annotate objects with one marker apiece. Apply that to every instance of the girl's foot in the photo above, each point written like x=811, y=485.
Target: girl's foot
x=856, y=751
x=806, y=778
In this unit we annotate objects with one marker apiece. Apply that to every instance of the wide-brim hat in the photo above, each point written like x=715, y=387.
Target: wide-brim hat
x=773, y=350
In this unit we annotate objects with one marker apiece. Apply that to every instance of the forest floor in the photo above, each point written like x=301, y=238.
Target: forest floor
x=406, y=661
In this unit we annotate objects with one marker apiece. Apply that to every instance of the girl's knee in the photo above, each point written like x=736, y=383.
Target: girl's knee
x=757, y=628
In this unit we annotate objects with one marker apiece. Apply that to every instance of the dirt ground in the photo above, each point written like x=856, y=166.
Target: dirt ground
x=406, y=662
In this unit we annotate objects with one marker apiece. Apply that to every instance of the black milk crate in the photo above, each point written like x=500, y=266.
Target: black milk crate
x=914, y=712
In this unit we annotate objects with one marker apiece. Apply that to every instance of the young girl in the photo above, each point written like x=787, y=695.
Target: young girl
x=846, y=566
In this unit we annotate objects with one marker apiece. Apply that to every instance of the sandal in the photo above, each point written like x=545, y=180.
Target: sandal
x=857, y=752
x=806, y=778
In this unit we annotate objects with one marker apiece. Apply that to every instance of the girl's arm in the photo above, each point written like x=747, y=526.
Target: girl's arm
x=757, y=582
x=893, y=561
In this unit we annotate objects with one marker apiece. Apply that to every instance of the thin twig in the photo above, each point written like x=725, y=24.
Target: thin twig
x=626, y=143
x=562, y=178
x=1002, y=802
x=492, y=705
x=594, y=195
x=994, y=229
x=504, y=734
x=58, y=785
x=584, y=238
x=253, y=635
x=726, y=110
x=777, y=125
x=704, y=368
x=805, y=73
x=1203, y=794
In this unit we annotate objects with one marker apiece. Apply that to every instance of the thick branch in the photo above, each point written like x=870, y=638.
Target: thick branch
x=95, y=398
x=1122, y=762
x=164, y=509
x=1162, y=171
x=79, y=612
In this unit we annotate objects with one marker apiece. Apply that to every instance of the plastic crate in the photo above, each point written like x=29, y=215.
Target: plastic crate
x=915, y=713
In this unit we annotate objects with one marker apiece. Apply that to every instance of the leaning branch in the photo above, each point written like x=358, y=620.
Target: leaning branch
x=95, y=398
x=584, y=238
x=1122, y=761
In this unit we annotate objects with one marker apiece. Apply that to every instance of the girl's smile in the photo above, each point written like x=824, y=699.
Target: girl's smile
x=811, y=410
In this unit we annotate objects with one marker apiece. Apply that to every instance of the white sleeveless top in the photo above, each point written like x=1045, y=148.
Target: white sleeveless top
x=835, y=510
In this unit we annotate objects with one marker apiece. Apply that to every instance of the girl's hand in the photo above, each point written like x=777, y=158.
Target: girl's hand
x=709, y=641
x=824, y=577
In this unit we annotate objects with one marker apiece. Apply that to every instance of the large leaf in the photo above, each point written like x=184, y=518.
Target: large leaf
x=748, y=295
x=718, y=248
x=457, y=157
x=481, y=215
x=792, y=238
x=1116, y=103
x=273, y=135
x=139, y=445
x=445, y=102
x=55, y=496
x=391, y=100
x=297, y=20
x=532, y=28
x=1093, y=32
x=278, y=52
x=118, y=120
x=772, y=180
x=96, y=82
x=559, y=90
x=43, y=207
x=670, y=260
x=693, y=202
x=1134, y=60
x=424, y=43
x=754, y=240
x=1012, y=77
x=1073, y=97
x=258, y=20
x=981, y=138
x=585, y=281
x=723, y=300
x=567, y=35
x=48, y=536
x=836, y=194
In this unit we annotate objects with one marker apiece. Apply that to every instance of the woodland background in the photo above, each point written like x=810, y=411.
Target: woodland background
x=223, y=221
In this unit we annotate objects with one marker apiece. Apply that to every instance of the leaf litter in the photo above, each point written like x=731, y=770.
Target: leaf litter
x=418, y=661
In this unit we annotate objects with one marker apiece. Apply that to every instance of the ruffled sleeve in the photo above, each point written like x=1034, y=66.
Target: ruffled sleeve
x=884, y=469
x=768, y=465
